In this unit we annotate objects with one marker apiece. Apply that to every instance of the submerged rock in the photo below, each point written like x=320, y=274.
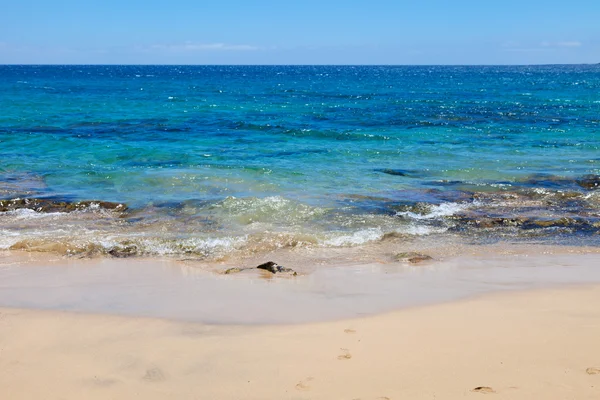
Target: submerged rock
x=275, y=268
x=578, y=224
x=489, y=222
x=394, y=235
x=396, y=172
x=418, y=208
x=124, y=250
x=589, y=182
x=412, y=257
x=47, y=206
x=586, y=222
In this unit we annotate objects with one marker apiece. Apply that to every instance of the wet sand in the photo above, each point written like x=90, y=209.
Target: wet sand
x=521, y=345
x=338, y=288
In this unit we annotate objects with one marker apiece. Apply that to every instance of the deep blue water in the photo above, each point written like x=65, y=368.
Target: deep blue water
x=330, y=154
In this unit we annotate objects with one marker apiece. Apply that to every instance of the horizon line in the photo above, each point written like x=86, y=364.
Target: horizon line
x=290, y=65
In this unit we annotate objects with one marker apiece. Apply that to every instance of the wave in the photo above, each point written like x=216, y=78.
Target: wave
x=250, y=225
x=436, y=211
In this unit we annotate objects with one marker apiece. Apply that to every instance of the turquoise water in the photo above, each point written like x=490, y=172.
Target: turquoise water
x=210, y=159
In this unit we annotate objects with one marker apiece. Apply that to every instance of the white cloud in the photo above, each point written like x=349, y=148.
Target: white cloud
x=564, y=43
x=526, y=50
x=569, y=44
x=545, y=46
x=192, y=47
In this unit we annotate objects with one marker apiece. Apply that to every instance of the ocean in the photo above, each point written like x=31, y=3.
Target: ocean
x=213, y=161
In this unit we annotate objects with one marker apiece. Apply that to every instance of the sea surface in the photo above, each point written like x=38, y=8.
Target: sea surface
x=209, y=161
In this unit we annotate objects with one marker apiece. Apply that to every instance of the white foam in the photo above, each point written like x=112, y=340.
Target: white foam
x=26, y=213
x=356, y=238
x=374, y=234
x=205, y=246
x=441, y=210
x=421, y=230
x=8, y=238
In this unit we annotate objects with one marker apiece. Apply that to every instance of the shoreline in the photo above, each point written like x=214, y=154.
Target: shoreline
x=337, y=287
x=519, y=345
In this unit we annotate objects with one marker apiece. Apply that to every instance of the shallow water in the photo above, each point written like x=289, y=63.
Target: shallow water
x=213, y=160
x=167, y=289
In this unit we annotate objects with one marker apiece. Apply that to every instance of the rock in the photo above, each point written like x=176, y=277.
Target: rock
x=396, y=172
x=563, y=222
x=488, y=222
x=546, y=223
x=124, y=250
x=589, y=182
x=269, y=266
x=47, y=205
x=106, y=205
x=412, y=257
x=419, y=208
x=274, y=268
x=394, y=235
x=525, y=223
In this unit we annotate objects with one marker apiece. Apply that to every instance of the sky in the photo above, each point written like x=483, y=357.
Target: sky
x=299, y=32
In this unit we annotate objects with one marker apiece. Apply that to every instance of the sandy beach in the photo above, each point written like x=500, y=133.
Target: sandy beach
x=519, y=345
x=264, y=200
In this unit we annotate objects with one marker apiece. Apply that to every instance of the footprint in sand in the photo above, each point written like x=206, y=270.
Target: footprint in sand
x=154, y=375
x=593, y=371
x=483, y=389
x=346, y=355
x=303, y=384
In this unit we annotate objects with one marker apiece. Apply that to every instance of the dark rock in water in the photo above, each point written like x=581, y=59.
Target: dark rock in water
x=564, y=222
x=403, y=172
x=394, y=235
x=47, y=206
x=525, y=223
x=269, y=266
x=489, y=222
x=546, y=223
x=589, y=182
x=396, y=172
x=533, y=181
x=124, y=250
x=546, y=181
x=274, y=268
x=412, y=257
x=21, y=184
x=420, y=208
x=431, y=196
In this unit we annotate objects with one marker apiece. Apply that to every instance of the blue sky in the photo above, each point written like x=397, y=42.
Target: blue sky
x=299, y=32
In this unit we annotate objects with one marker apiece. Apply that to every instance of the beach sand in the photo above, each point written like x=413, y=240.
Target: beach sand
x=541, y=344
